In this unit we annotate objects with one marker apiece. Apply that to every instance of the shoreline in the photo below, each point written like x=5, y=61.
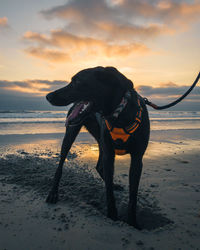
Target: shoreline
x=192, y=134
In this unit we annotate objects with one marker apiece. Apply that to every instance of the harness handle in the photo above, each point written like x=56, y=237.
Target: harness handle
x=175, y=102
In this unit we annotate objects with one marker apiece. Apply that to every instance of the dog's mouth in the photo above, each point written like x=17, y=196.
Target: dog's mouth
x=79, y=112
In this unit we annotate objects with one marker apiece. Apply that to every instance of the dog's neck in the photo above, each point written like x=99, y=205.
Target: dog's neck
x=126, y=110
x=115, y=114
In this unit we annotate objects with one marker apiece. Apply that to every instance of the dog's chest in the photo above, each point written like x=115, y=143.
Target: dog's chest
x=120, y=136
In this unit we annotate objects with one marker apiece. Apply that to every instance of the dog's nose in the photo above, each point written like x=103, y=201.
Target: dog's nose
x=49, y=97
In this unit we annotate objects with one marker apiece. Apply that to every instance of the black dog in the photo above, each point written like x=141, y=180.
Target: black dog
x=106, y=103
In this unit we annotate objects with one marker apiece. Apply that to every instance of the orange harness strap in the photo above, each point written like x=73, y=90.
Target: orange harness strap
x=123, y=134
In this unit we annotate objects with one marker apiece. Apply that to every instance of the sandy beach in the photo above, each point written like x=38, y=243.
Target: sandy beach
x=168, y=206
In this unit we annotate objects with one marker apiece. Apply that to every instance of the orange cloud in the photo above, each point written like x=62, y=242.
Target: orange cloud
x=111, y=21
x=3, y=21
x=173, y=8
x=25, y=90
x=130, y=32
x=34, y=36
x=190, y=9
x=175, y=15
x=37, y=87
x=70, y=14
x=48, y=54
x=125, y=50
x=115, y=22
x=167, y=13
x=116, y=2
x=70, y=45
x=181, y=14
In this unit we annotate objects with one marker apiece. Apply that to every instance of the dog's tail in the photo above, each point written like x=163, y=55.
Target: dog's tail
x=175, y=102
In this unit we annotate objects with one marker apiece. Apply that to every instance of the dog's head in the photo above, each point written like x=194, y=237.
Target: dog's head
x=98, y=89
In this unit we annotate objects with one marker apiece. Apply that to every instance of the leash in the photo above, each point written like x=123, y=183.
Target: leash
x=153, y=105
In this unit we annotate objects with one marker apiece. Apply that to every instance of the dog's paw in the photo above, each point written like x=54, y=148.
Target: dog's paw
x=52, y=197
x=112, y=214
x=135, y=224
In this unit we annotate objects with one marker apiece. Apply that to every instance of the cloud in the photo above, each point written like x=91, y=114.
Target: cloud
x=28, y=94
x=118, y=32
x=31, y=87
x=18, y=101
x=105, y=19
x=80, y=10
x=179, y=13
x=127, y=12
x=108, y=28
x=31, y=93
x=170, y=12
x=3, y=22
x=41, y=87
x=69, y=46
x=168, y=91
x=48, y=54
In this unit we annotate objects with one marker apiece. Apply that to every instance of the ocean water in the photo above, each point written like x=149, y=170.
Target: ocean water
x=49, y=122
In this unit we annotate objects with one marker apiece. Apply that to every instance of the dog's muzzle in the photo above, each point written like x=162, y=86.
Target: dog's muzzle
x=79, y=112
x=49, y=97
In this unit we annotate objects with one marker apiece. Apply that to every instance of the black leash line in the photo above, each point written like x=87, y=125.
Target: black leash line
x=175, y=102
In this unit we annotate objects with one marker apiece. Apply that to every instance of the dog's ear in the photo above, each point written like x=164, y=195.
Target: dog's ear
x=124, y=82
x=117, y=85
x=113, y=77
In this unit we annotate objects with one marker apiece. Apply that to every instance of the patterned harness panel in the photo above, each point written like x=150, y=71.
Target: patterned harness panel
x=121, y=135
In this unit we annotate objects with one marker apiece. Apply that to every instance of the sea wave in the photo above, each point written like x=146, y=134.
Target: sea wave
x=32, y=114
x=46, y=114
x=31, y=120
x=56, y=117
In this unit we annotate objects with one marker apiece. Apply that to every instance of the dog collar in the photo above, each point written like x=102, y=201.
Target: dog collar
x=122, y=105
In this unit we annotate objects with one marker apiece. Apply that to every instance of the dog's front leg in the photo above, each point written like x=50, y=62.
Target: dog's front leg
x=108, y=170
x=134, y=179
x=108, y=165
x=70, y=136
x=99, y=166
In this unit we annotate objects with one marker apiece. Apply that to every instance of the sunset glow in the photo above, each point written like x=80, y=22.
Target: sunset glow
x=153, y=43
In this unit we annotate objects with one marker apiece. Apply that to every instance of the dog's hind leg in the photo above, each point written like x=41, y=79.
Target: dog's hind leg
x=70, y=136
x=134, y=179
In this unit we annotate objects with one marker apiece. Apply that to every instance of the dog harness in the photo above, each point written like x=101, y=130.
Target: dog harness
x=121, y=135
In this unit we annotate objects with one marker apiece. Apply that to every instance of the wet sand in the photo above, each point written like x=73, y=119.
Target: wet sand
x=168, y=203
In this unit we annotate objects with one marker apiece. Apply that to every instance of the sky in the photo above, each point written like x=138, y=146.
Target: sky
x=43, y=43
